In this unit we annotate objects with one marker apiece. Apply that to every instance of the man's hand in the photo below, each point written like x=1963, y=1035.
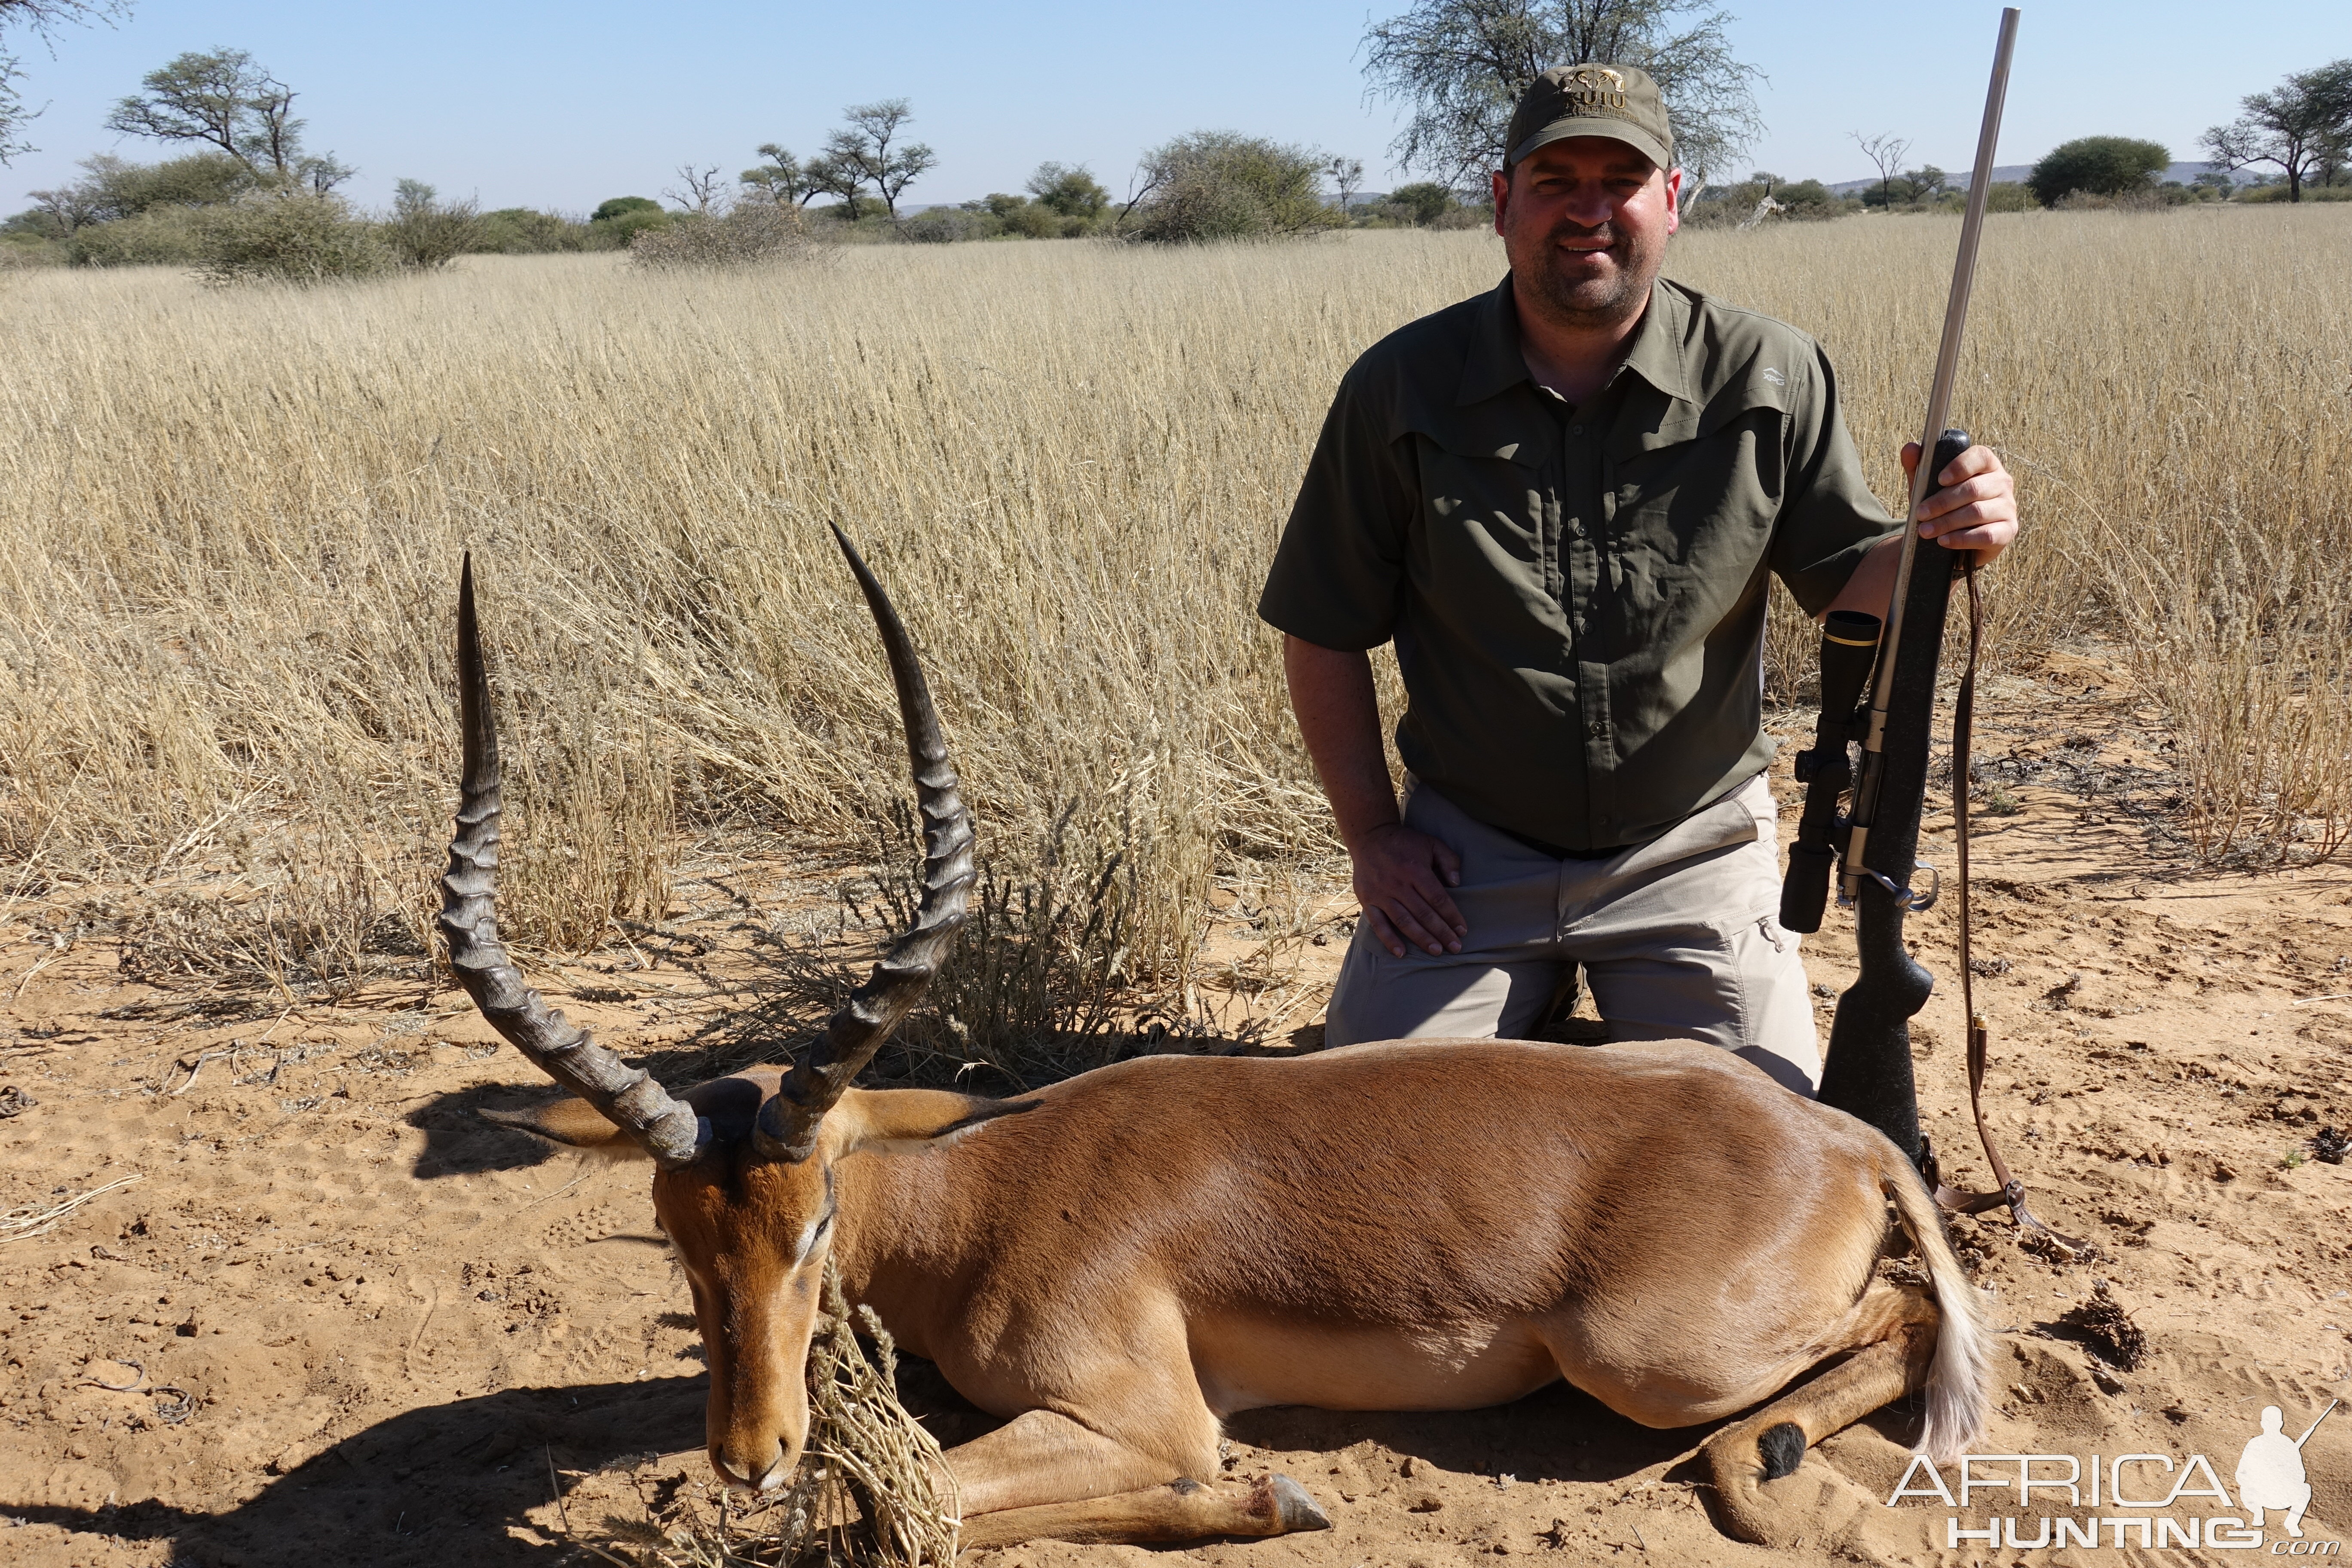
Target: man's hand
x=1401, y=875
x=1401, y=880
x=1976, y=511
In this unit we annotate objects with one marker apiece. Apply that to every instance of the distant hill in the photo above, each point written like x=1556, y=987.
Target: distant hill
x=2184, y=173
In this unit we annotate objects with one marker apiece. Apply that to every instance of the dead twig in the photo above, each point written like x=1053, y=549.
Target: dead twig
x=131, y=1387
x=24, y=1224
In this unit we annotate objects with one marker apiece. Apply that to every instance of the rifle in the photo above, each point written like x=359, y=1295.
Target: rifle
x=1868, y=1072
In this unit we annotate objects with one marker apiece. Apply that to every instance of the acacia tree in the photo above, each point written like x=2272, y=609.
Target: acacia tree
x=781, y=180
x=2301, y=126
x=1885, y=154
x=703, y=193
x=224, y=99
x=1347, y=176
x=39, y=16
x=1461, y=65
x=867, y=148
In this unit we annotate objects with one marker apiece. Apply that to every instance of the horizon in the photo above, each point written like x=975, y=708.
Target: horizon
x=522, y=104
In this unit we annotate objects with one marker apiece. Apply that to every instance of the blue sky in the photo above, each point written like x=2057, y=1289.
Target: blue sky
x=533, y=103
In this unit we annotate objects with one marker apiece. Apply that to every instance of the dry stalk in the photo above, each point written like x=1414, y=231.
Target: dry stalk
x=32, y=1220
x=871, y=1490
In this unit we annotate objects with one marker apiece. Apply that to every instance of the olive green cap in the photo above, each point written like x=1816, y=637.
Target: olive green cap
x=1619, y=102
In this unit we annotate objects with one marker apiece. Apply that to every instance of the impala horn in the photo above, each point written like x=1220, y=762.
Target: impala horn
x=624, y=1095
x=788, y=1122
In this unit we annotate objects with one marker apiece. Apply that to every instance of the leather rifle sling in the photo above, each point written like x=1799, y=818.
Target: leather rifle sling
x=2010, y=1191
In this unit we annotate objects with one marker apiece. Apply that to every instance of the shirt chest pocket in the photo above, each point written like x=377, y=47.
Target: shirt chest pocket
x=1719, y=490
x=1692, y=520
x=1487, y=507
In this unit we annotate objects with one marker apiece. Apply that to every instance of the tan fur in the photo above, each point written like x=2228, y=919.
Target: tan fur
x=1125, y=1258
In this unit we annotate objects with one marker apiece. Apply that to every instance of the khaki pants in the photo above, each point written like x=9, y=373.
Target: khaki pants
x=1678, y=938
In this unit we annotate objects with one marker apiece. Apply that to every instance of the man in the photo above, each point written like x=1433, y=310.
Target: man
x=1561, y=500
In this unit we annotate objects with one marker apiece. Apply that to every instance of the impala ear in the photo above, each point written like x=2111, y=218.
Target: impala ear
x=901, y=1121
x=574, y=1124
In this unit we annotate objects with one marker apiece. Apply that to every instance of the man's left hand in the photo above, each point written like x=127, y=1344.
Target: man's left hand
x=1977, y=508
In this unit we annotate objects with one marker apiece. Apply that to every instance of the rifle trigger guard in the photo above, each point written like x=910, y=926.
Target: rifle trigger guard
x=1917, y=903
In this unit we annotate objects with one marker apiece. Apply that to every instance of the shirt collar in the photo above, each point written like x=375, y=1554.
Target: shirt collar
x=1494, y=364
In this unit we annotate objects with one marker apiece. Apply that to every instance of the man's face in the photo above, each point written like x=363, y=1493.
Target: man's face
x=1584, y=221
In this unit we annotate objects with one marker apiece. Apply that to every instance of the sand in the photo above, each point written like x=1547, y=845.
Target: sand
x=386, y=1332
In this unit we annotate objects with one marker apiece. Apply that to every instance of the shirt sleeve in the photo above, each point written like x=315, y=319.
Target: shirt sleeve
x=1830, y=519
x=1339, y=575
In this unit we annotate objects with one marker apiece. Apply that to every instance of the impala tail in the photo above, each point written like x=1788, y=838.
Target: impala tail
x=1956, y=1378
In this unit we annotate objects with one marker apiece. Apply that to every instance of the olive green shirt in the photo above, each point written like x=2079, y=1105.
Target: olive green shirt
x=1577, y=594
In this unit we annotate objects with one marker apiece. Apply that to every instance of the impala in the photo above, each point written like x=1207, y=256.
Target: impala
x=1118, y=1262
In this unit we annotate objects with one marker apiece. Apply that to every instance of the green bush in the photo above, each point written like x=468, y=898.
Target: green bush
x=116, y=189
x=621, y=206
x=1068, y=192
x=160, y=237
x=290, y=238
x=1425, y=202
x=523, y=231
x=426, y=233
x=2008, y=196
x=1221, y=184
x=621, y=231
x=753, y=234
x=2100, y=166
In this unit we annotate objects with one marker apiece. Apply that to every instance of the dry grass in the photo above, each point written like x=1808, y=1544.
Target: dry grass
x=870, y=1491
x=232, y=523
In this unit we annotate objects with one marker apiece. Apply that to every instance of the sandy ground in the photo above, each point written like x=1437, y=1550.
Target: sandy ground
x=366, y=1327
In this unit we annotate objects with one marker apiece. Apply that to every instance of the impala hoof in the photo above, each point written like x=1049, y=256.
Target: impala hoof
x=1782, y=1449
x=1294, y=1508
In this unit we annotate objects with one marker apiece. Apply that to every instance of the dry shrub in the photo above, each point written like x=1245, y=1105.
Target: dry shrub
x=233, y=520
x=752, y=234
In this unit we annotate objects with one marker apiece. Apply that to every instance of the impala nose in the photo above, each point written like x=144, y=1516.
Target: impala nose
x=746, y=1474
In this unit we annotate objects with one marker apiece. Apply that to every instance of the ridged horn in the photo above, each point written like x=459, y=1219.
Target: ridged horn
x=788, y=1120
x=624, y=1095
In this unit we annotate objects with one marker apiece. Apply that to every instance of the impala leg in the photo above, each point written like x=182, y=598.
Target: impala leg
x=1181, y=1511
x=1750, y=1458
x=1043, y=1475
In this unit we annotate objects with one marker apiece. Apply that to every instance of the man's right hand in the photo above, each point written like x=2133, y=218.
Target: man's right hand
x=1401, y=880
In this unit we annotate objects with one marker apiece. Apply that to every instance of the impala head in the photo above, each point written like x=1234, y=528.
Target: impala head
x=743, y=1166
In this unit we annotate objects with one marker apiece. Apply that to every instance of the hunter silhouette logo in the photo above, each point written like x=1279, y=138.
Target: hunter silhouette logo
x=2154, y=1502
x=2270, y=1472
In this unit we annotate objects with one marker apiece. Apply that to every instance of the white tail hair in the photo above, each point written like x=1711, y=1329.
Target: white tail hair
x=1956, y=1379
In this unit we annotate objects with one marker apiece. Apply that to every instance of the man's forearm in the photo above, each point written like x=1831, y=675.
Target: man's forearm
x=1871, y=587
x=1340, y=717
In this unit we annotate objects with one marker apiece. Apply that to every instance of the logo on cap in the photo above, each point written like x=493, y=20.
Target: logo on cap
x=1595, y=87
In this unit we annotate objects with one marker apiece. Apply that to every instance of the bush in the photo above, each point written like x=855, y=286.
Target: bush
x=944, y=226
x=621, y=206
x=752, y=234
x=116, y=189
x=1068, y=192
x=522, y=231
x=1802, y=200
x=1425, y=202
x=161, y=236
x=2101, y=165
x=2008, y=196
x=424, y=233
x=1220, y=184
x=289, y=238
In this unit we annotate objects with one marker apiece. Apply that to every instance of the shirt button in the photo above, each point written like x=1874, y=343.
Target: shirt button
x=1576, y=430
x=1596, y=728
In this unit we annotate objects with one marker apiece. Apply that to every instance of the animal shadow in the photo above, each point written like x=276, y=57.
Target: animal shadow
x=428, y=1487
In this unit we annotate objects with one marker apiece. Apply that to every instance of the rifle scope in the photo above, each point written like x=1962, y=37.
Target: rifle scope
x=1849, y=650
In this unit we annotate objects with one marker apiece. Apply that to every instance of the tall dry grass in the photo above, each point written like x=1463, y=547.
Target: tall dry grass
x=230, y=524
